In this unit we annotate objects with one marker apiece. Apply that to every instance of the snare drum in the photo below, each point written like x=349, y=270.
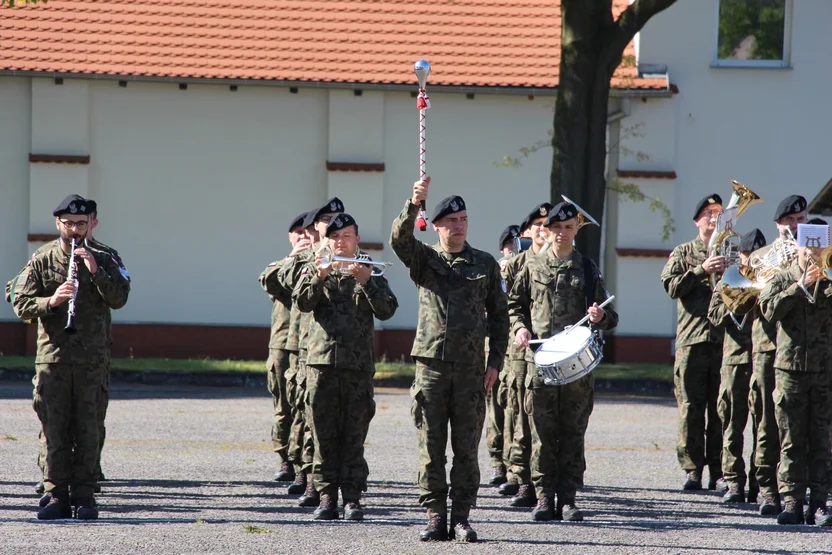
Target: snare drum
x=568, y=356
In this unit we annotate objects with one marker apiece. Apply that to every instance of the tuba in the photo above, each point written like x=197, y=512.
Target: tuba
x=725, y=241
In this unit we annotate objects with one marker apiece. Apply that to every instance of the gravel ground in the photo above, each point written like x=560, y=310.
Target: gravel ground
x=189, y=471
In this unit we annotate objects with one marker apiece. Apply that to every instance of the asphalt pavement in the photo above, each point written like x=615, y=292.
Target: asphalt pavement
x=190, y=471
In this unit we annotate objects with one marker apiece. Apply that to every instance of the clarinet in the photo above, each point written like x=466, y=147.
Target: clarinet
x=70, y=320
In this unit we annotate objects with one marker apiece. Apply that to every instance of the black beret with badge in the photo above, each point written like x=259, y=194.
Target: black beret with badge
x=704, y=203
x=508, y=234
x=540, y=211
x=339, y=222
x=73, y=204
x=448, y=206
x=752, y=241
x=561, y=212
x=792, y=204
x=332, y=206
x=818, y=221
x=298, y=221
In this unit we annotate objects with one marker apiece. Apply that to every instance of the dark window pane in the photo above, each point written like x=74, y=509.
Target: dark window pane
x=751, y=29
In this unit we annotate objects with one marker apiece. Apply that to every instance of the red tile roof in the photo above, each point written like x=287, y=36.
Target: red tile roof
x=492, y=43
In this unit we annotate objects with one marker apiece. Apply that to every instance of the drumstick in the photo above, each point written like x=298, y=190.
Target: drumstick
x=580, y=322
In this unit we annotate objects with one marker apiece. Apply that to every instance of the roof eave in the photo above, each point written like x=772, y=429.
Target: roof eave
x=461, y=89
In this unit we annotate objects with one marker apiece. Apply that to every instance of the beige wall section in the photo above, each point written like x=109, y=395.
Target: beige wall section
x=49, y=184
x=15, y=139
x=464, y=139
x=649, y=130
x=60, y=117
x=638, y=226
x=196, y=188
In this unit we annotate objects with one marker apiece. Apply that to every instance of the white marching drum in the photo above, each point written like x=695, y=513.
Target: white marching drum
x=568, y=356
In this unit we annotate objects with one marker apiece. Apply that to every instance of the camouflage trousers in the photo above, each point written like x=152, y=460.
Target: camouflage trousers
x=733, y=408
x=494, y=430
x=767, y=445
x=803, y=408
x=66, y=399
x=520, y=451
x=558, y=418
x=446, y=393
x=301, y=447
x=278, y=365
x=104, y=402
x=341, y=407
x=696, y=385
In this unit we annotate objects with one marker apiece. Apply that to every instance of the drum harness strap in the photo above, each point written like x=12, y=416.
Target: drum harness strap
x=589, y=282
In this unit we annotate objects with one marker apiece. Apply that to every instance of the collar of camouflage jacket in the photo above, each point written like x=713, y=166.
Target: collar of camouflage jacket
x=575, y=259
x=465, y=255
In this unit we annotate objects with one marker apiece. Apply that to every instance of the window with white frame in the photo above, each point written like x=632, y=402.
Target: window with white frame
x=753, y=33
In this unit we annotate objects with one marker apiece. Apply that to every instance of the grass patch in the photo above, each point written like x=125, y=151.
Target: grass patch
x=9, y=437
x=252, y=529
x=384, y=370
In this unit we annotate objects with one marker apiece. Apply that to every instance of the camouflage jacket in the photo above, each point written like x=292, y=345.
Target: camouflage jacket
x=763, y=332
x=98, y=247
x=803, y=328
x=288, y=276
x=341, y=332
x=97, y=294
x=685, y=279
x=549, y=294
x=736, y=346
x=509, y=268
x=461, y=300
x=281, y=304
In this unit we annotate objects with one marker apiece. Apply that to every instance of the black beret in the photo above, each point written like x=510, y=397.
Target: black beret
x=332, y=206
x=73, y=204
x=707, y=201
x=298, y=221
x=792, y=204
x=818, y=221
x=752, y=241
x=508, y=234
x=450, y=205
x=561, y=212
x=92, y=206
x=339, y=222
x=540, y=211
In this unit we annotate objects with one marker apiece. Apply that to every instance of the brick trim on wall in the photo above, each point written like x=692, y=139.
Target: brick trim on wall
x=354, y=166
x=643, y=253
x=58, y=159
x=646, y=174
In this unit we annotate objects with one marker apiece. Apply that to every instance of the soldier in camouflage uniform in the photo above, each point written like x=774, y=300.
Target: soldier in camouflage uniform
x=301, y=440
x=520, y=484
x=686, y=277
x=278, y=363
x=461, y=302
x=803, y=390
x=734, y=401
x=70, y=368
x=343, y=299
x=553, y=290
x=789, y=213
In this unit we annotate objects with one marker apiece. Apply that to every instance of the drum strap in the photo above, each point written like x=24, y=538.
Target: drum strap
x=589, y=282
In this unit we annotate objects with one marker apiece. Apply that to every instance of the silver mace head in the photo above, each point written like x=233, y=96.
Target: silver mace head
x=422, y=70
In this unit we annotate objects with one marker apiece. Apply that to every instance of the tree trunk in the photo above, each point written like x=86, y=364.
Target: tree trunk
x=592, y=45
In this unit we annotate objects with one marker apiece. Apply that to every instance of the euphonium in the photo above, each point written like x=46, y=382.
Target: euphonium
x=725, y=241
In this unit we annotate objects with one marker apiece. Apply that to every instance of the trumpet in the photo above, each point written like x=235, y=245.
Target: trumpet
x=824, y=264
x=329, y=258
x=71, y=276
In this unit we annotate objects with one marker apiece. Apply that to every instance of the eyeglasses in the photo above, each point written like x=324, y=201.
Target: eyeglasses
x=80, y=226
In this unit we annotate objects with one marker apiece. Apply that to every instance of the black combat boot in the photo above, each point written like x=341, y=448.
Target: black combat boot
x=353, y=510
x=819, y=514
x=39, y=488
x=461, y=530
x=545, y=509
x=525, y=497
x=437, y=528
x=286, y=472
x=735, y=494
x=86, y=508
x=568, y=511
x=299, y=485
x=328, y=508
x=715, y=480
x=792, y=512
x=499, y=476
x=694, y=481
x=311, y=497
x=511, y=487
x=770, y=505
x=57, y=507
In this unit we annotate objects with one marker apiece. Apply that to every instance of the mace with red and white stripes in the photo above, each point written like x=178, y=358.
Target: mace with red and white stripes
x=422, y=70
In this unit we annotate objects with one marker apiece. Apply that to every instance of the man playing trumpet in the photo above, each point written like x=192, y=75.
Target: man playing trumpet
x=686, y=278
x=803, y=390
x=553, y=290
x=343, y=299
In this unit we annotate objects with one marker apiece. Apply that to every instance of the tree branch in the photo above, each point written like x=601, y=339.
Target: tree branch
x=629, y=23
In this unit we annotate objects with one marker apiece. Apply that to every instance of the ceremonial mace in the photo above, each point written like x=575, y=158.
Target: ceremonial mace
x=422, y=70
